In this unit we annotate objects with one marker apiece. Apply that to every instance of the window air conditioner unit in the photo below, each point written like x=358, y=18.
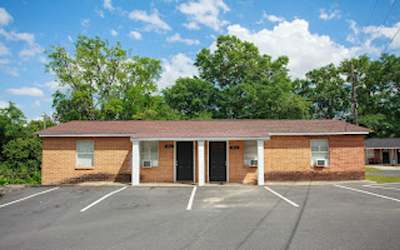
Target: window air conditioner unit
x=147, y=164
x=320, y=163
x=251, y=163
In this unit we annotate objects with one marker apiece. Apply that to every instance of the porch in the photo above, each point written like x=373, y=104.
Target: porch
x=200, y=161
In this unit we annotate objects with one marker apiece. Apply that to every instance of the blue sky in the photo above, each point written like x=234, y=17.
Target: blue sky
x=310, y=33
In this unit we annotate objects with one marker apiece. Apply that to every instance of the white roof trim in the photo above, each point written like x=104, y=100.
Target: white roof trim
x=86, y=135
x=319, y=133
x=200, y=138
x=382, y=147
x=206, y=138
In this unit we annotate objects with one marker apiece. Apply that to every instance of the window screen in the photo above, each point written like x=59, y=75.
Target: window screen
x=149, y=154
x=319, y=150
x=250, y=153
x=84, y=153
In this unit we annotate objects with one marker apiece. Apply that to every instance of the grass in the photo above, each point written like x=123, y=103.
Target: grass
x=379, y=178
x=372, y=170
x=383, y=179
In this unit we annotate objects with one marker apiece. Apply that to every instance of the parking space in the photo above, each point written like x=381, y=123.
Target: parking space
x=226, y=217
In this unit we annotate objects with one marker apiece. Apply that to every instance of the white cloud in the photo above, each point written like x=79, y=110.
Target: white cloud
x=177, y=38
x=329, y=15
x=272, y=18
x=5, y=17
x=12, y=71
x=18, y=36
x=135, y=35
x=153, y=21
x=4, y=50
x=204, y=12
x=53, y=86
x=113, y=32
x=179, y=65
x=4, y=61
x=85, y=23
x=100, y=13
x=26, y=91
x=376, y=32
x=373, y=39
x=294, y=39
x=31, y=51
x=107, y=5
x=70, y=39
x=32, y=48
x=3, y=104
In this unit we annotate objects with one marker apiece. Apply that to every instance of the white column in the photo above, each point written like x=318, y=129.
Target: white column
x=260, y=162
x=135, y=162
x=202, y=167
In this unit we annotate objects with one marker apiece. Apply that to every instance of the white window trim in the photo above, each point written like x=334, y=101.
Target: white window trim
x=154, y=163
x=77, y=153
x=327, y=152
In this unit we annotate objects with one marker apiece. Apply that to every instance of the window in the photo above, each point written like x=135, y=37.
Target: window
x=149, y=154
x=250, y=153
x=319, y=151
x=84, y=153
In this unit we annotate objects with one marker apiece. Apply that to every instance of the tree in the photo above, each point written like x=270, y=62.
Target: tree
x=103, y=82
x=20, y=148
x=193, y=98
x=250, y=85
x=326, y=90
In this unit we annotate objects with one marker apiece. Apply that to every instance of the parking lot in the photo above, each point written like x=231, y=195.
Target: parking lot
x=328, y=216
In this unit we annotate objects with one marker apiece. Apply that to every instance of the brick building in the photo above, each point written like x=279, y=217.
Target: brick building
x=232, y=151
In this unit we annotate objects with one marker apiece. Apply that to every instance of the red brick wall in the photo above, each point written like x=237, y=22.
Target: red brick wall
x=165, y=170
x=238, y=172
x=111, y=160
x=286, y=158
x=289, y=158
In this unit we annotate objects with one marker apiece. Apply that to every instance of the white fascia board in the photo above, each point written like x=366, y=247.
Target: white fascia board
x=201, y=138
x=318, y=133
x=382, y=147
x=85, y=135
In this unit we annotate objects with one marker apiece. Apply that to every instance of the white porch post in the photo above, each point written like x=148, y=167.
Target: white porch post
x=135, y=162
x=260, y=162
x=200, y=150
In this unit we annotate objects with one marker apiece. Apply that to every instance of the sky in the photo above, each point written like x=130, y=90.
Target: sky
x=311, y=33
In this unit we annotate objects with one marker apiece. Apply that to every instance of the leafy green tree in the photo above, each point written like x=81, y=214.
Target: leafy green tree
x=379, y=96
x=103, y=81
x=193, y=98
x=12, y=123
x=20, y=147
x=326, y=90
x=249, y=85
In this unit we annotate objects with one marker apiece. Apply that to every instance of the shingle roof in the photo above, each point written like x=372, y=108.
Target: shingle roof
x=382, y=143
x=202, y=128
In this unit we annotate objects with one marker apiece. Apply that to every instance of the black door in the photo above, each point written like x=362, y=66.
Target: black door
x=385, y=157
x=217, y=160
x=184, y=161
x=398, y=156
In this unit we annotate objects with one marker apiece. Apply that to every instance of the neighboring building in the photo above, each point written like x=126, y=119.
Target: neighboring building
x=382, y=151
x=235, y=151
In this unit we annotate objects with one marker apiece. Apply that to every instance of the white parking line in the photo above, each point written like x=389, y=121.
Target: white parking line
x=381, y=187
x=282, y=197
x=190, y=203
x=366, y=192
x=103, y=198
x=28, y=197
